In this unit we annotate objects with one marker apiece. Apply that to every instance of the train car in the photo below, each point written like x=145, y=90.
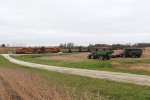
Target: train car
x=24, y=51
x=52, y=50
x=41, y=50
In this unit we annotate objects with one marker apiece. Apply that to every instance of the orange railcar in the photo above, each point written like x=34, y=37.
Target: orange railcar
x=51, y=50
x=36, y=50
x=24, y=51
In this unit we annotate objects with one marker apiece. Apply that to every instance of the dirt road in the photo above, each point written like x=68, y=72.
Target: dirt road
x=114, y=76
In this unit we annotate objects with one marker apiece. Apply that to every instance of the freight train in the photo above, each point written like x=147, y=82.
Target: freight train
x=36, y=50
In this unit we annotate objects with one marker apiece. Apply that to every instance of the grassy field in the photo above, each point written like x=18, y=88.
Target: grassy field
x=84, y=88
x=117, y=66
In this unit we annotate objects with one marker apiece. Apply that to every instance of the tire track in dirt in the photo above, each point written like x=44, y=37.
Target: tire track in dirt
x=114, y=76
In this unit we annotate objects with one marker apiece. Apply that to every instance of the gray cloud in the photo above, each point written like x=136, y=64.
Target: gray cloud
x=81, y=21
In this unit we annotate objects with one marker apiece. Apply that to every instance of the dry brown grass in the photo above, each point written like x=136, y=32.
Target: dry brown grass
x=20, y=85
x=6, y=50
x=115, y=64
x=144, y=67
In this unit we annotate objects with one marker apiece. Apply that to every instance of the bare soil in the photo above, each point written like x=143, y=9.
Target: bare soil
x=17, y=84
x=69, y=57
x=6, y=50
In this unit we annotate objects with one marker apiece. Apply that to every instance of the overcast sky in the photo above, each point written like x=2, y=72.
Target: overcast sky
x=51, y=22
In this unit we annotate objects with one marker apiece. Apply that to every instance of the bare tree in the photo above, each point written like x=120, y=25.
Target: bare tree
x=3, y=45
x=66, y=45
x=70, y=45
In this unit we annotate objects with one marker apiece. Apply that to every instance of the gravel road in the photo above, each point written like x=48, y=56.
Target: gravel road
x=114, y=76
